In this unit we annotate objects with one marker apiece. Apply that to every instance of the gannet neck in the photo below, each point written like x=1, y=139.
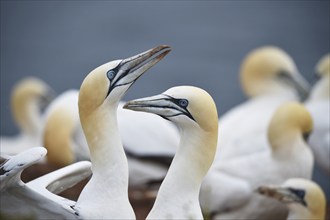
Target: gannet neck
x=183, y=180
x=300, y=212
x=109, y=165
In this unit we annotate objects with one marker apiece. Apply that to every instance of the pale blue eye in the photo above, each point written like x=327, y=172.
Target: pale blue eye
x=111, y=74
x=183, y=102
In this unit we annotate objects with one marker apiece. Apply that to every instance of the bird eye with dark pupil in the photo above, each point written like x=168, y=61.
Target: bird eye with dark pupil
x=111, y=74
x=183, y=102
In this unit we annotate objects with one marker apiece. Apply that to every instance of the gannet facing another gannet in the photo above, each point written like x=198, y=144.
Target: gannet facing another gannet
x=28, y=97
x=194, y=112
x=304, y=198
x=269, y=77
x=319, y=106
x=106, y=194
x=227, y=191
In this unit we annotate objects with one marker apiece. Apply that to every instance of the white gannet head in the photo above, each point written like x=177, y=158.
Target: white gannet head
x=304, y=198
x=27, y=98
x=109, y=82
x=289, y=120
x=269, y=69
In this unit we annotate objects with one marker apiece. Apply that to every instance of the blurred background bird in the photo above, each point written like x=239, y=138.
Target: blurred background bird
x=29, y=97
x=228, y=189
x=319, y=106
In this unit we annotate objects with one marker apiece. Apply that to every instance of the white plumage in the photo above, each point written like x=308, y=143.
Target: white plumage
x=270, y=78
x=105, y=195
x=185, y=106
x=228, y=189
x=37, y=199
x=319, y=106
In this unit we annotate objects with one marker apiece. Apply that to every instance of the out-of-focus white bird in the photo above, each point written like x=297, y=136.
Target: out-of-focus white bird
x=270, y=78
x=319, y=106
x=62, y=124
x=37, y=199
x=187, y=107
x=304, y=198
x=106, y=194
x=28, y=97
x=228, y=190
x=149, y=150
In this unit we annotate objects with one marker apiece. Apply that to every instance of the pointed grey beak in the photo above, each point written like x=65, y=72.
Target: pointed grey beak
x=283, y=194
x=301, y=85
x=298, y=82
x=130, y=69
x=162, y=105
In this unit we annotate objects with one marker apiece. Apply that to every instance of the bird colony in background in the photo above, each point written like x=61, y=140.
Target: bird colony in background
x=254, y=162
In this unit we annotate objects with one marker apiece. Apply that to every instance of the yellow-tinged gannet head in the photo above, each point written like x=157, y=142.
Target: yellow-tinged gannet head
x=109, y=82
x=60, y=125
x=184, y=105
x=290, y=118
x=304, y=198
x=193, y=110
x=269, y=69
x=323, y=66
x=27, y=98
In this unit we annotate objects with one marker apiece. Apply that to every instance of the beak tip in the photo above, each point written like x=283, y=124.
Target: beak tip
x=126, y=106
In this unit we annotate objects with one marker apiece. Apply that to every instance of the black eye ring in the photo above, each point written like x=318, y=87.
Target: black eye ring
x=111, y=74
x=183, y=102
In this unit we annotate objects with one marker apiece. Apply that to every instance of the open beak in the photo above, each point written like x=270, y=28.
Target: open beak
x=162, y=105
x=130, y=69
x=283, y=194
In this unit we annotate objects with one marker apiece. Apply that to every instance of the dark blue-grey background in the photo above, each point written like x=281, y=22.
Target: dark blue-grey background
x=61, y=41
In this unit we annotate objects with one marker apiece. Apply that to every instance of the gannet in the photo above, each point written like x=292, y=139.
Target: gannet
x=28, y=97
x=105, y=195
x=37, y=199
x=187, y=107
x=304, y=198
x=227, y=191
x=269, y=77
x=65, y=141
x=319, y=106
x=62, y=133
